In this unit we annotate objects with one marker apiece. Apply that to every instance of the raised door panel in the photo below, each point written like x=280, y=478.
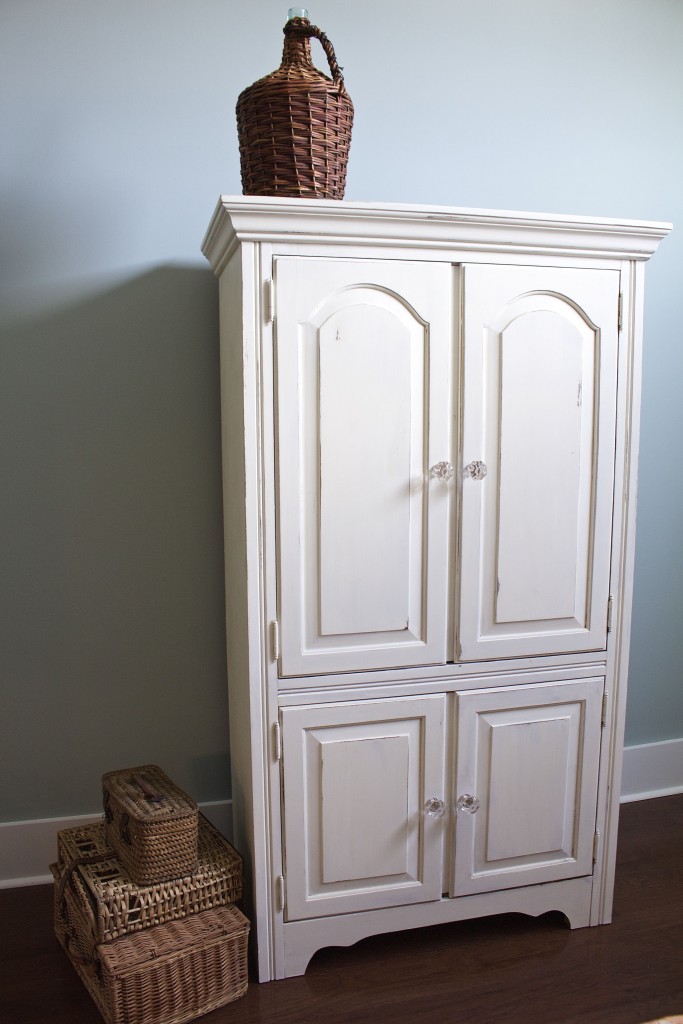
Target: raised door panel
x=539, y=407
x=363, y=410
x=529, y=755
x=356, y=780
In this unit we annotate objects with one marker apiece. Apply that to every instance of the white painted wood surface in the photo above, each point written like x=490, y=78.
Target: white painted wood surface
x=530, y=754
x=356, y=780
x=539, y=407
x=363, y=360
x=304, y=938
x=392, y=636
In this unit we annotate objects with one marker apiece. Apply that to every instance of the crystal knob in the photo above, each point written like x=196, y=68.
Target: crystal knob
x=435, y=807
x=467, y=803
x=442, y=471
x=476, y=470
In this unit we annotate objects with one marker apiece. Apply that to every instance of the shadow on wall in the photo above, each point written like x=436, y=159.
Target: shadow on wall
x=112, y=611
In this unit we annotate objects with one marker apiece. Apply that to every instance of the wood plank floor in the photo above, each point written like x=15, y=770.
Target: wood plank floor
x=507, y=969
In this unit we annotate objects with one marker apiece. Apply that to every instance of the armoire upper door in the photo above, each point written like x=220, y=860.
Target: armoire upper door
x=363, y=393
x=538, y=443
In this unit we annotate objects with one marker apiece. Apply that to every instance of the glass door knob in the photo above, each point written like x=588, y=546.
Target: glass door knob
x=467, y=804
x=476, y=470
x=442, y=471
x=435, y=807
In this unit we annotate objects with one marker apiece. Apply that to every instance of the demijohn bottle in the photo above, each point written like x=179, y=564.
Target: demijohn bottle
x=294, y=125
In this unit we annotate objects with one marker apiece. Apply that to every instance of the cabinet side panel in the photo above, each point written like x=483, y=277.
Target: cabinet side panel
x=630, y=384
x=239, y=425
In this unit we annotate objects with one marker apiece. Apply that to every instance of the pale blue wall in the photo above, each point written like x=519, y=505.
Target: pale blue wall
x=118, y=134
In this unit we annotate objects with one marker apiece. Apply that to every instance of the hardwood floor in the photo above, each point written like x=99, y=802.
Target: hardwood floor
x=507, y=969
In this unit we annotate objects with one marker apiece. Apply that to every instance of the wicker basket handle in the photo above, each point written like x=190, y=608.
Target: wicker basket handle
x=66, y=878
x=90, y=964
x=303, y=27
x=149, y=791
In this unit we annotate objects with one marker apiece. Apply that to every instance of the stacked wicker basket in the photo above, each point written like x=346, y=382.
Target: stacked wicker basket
x=144, y=904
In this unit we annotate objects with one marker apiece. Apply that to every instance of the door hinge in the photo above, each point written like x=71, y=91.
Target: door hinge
x=605, y=705
x=269, y=300
x=277, y=742
x=610, y=604
x=281, y=893
x=275, y=639
x=620, y=311
x=596, y=846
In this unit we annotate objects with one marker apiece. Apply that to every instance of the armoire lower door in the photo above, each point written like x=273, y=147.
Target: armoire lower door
x=364, y=805
x=526, y=784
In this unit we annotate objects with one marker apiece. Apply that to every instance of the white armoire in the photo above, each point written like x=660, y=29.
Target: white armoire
x=430, y=434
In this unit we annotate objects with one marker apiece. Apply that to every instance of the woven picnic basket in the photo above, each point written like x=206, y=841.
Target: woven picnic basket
x=150, y=823
x=294, y=125
x=95, y=893
x=167, y=974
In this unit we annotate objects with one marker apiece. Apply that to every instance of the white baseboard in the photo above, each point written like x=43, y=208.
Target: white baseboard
x=652, y=770
x=27, y=848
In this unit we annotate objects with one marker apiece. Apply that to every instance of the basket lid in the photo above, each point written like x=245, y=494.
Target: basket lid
x=146, y=793
x=164, y=942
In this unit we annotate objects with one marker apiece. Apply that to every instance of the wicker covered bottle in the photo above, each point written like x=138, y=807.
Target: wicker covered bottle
x=294, y=125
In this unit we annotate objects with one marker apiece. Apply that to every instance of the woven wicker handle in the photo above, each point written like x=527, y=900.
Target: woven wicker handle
x=304, y=27
x=93, y=858
x=149, y=791
x=336, y=71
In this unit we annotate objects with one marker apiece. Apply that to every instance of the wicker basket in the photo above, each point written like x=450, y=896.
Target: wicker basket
x=294, y=125
x=150, y=823
x=102, y=902
x=168, y=974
